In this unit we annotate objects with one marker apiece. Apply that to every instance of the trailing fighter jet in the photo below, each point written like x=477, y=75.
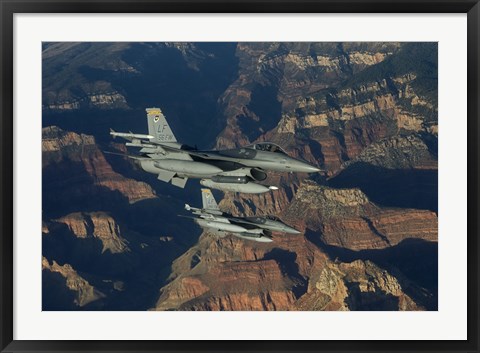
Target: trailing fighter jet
x=228, y=170
x=259, y=229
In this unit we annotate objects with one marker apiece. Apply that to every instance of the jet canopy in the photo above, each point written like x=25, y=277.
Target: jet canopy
x=268, y=147
x=273, y=218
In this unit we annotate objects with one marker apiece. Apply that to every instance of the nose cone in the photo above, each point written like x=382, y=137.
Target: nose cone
x=291, y=230
x=304, y=167
x=312, y=169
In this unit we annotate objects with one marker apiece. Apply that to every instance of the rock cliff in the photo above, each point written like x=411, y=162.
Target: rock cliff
x=75, y=167
x=366, y=113
x=346, y=218
x=98, y=225
x=299, y=272
x=84, y=292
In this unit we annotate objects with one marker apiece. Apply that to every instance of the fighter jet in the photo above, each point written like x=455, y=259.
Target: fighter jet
x=212, y=219
x=234, y=170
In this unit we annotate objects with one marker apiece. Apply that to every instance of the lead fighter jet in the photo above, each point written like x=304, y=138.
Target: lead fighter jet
x=259, y=229
x=228, y=170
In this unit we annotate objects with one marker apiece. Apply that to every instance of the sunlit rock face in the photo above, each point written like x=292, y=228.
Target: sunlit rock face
x=97, y=225
x=75, y=161
x=365, y=113
x=78, y=288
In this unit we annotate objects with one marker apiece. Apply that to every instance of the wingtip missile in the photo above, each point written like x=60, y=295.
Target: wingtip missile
x=129, y=135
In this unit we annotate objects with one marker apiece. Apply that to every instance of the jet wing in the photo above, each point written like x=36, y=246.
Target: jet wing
x=162, y=146
x=204, y=216
x=163, y=149
x=201, y=154
x=131, y=156
x=210, y=155
x=204, y=155
x=243, y=221
x=183, y=216
x=207, y=217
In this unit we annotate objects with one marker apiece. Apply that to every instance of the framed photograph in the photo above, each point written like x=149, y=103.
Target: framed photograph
x=239, y=176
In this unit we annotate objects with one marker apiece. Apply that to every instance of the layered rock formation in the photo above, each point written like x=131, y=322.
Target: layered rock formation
x=359, y=285
x=72, y=85
x=97, y=225
x=346, y=218
x=277, y=284
x=84, y=293
x=296, y=272
x=366, y=113
x=75, y=167
x=274, y=76
x=228, y=274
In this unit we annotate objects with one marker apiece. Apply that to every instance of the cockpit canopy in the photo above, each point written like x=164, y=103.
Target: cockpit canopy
x=273, y=218
x=268, y=147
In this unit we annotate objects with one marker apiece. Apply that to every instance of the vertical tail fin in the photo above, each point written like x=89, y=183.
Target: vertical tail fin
x=208, y=200
x=158, y=126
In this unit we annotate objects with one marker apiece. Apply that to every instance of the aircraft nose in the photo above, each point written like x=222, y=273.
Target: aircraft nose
x=291, y=230
x=307, y=168
x=313, y=169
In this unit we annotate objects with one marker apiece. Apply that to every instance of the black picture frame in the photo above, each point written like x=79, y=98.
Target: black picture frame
x=9, y=7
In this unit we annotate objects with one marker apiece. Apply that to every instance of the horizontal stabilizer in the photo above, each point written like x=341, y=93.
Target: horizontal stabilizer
x=179, y=182
x=166, y=176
